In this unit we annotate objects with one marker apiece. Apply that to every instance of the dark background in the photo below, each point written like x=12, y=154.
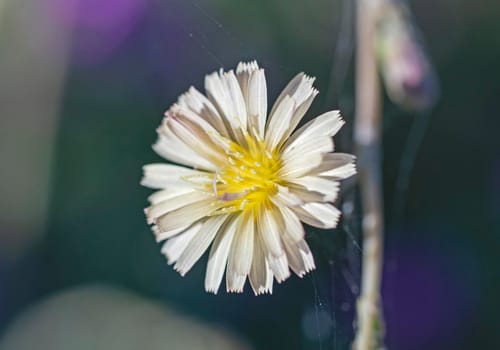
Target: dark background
x=125, y=62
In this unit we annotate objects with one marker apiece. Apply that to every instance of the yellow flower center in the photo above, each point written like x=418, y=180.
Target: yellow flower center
x=249, y=177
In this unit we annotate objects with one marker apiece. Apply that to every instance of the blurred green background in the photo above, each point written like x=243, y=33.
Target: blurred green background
x=84, y=84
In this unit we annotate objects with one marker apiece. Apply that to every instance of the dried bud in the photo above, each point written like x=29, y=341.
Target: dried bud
x=406, y=69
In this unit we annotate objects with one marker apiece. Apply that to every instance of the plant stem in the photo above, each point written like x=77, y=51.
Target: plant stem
x=367, y=138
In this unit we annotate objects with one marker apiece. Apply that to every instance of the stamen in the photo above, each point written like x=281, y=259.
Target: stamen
x=214, y=184
x=249, y=177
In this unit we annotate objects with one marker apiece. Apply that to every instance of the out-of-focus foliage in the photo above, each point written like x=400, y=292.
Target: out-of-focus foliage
x=104, y=318
x=128, y=60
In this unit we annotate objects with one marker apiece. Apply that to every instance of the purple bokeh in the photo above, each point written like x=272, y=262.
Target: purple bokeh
x=99, y=27
x=429, y=295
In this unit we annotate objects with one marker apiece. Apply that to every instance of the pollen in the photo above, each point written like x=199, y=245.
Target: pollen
x=249, y=177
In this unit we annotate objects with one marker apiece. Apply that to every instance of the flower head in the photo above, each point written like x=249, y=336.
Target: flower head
x=244, y=181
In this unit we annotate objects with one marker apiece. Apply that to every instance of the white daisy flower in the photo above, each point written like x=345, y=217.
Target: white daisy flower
x=245, y=181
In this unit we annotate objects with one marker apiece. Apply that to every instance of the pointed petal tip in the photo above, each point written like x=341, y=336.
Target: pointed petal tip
x=306, y=79
x=156, y=230
x=180, y=270
x=308, y=269
x=282, y=278
x=211, y=290
x=170, y=260
x=247, y=66
x=262, y=292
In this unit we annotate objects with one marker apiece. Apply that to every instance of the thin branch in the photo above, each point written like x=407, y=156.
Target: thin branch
x=367, y=138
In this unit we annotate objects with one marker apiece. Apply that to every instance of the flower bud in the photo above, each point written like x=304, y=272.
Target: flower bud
x=406, y=69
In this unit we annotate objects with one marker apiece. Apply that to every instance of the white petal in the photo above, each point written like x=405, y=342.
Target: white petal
x=298, y=114
x=187, y=215
x=159, y=209
x=218, y=94
x=285, y=198
x=257, y=102
x=279, y=266
x=327, y=124
x=329, y=188
x=174, y=247
x=196, y=138
x=163, y=235
x=198, y=103
x=163, y=195
x=243, y=69
x=337, y=165
x=240, y=257
x=301, y=91
x=322, y=215
x=218, y=257
x=170, y=147
x=261, y=275
x=304, y=194
x=160, y=176
x=294, y=258
x=300, y=111
x=300, y=161
x=236, y=96
x=294, y=229
x=228, y=99
x=199, y=243
x=243, y=72
x=307, y=256
x=191, y=119
x=299, y=88
x=279, y=123
x=235, y=283
x=302, y=164
x=300, y=257
x=270, y=226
